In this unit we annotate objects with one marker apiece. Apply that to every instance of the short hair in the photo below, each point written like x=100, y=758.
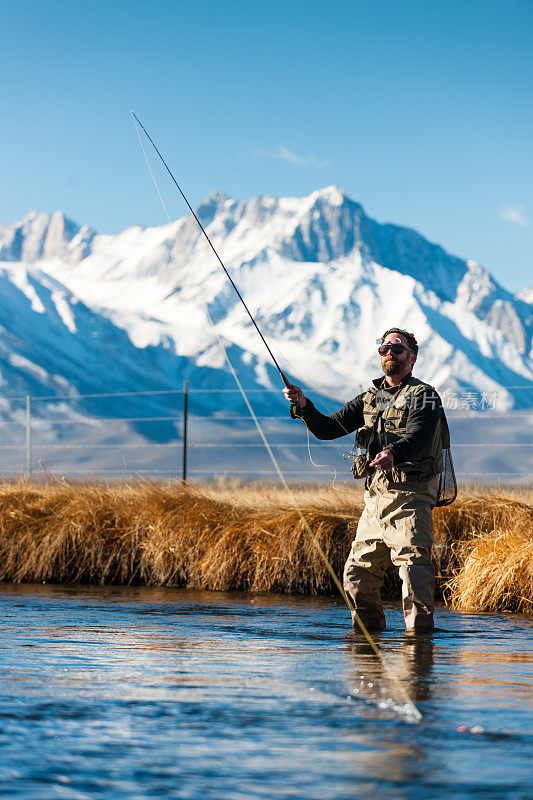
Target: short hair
x=411, y=340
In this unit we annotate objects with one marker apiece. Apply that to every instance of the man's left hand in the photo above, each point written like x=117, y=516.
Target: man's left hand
x=383, y=460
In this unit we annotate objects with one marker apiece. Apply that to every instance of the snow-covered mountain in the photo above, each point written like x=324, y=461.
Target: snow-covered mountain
x=84, y=313
x=322, y=279
x=525, y=294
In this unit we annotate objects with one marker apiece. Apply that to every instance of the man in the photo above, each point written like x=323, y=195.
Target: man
x=400, y=423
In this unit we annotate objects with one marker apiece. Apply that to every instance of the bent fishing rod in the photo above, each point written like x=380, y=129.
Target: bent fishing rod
x=284, y=378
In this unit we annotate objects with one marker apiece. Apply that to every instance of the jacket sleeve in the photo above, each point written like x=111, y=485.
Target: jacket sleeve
x=346, y=420
x=424, y=414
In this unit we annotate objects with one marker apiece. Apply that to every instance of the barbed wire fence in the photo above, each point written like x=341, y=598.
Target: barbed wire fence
x=184, y=437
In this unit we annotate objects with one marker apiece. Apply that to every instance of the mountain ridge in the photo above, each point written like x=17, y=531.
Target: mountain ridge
x=322, y=277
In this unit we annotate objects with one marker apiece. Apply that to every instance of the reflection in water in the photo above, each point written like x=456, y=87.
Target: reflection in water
x=415, y=665
x=410, y=663
x=374, y=682
x=122, y=693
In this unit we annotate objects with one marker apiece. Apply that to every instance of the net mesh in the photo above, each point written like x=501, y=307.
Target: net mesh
x=447, y=491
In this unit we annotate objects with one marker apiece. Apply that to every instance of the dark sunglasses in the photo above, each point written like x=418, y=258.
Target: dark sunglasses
x=394, y=348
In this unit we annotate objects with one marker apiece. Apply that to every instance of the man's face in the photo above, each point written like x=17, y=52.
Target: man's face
x=397, y=364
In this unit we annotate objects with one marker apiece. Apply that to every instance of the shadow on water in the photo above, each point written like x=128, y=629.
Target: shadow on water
x=139, y=692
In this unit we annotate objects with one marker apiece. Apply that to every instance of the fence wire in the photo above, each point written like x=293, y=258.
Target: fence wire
x=38, y=419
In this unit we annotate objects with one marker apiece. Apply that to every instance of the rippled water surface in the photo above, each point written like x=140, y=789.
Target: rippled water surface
x=145, y=693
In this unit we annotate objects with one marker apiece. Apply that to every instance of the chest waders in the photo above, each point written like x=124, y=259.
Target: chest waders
x=396, y=525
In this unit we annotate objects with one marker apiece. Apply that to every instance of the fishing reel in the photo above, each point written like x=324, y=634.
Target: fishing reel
x=360, y=453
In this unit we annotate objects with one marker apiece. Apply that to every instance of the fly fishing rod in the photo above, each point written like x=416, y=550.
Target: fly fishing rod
x=415, y=712
x=284, y=378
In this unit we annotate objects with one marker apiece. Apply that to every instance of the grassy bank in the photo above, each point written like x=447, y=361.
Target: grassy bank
x=249, y=538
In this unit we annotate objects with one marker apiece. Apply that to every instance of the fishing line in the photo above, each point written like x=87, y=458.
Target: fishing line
x=304, y=383
x=283, y=377
x=410, y=704
x=326, y=466
x=149, y=167
x=319, y=402
x=414, y=710
x=285, y=381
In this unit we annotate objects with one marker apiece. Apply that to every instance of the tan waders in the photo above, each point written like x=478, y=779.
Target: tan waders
x=396, y=526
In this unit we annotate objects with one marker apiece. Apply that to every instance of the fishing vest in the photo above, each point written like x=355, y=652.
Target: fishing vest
x=386, y=416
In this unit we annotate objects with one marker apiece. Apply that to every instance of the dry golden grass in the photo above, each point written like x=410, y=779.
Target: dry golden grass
x=480, y=511
x=496, y=573
x=249, y=538
x=163, y=535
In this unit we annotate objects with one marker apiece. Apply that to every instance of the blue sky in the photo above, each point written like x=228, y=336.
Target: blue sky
x=421, y=111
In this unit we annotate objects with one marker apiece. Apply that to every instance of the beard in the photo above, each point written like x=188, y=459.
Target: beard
x=391, y=367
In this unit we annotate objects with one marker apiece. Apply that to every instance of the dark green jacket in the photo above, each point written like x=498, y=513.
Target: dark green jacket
x=407, y=420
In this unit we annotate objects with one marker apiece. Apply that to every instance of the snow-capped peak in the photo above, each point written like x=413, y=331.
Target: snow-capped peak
x=44, y=236
x=525, y=294
x=332, y=195
x=322, y=278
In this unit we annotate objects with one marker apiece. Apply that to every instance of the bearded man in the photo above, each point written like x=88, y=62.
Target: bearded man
x=400, y=423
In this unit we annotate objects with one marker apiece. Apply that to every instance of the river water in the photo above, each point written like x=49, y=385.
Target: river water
x=154, y=693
